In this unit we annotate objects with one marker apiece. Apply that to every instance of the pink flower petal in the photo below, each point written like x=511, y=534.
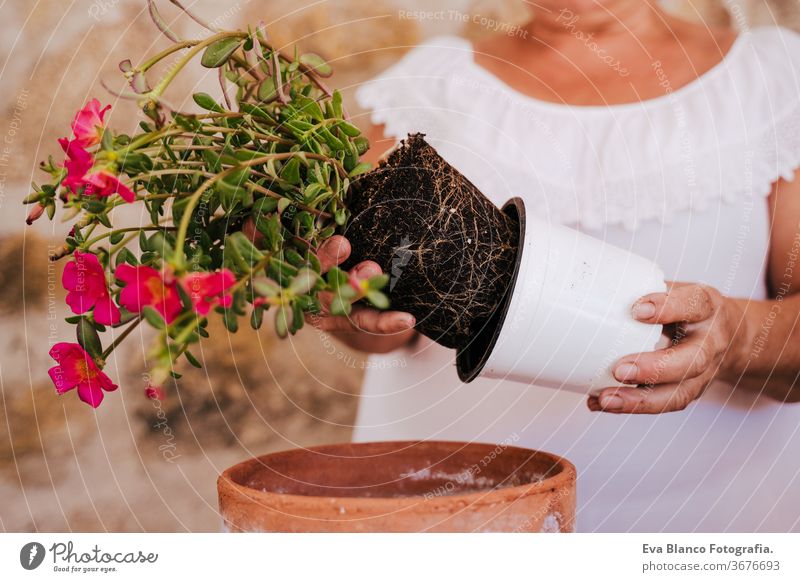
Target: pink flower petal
x=60, y=380
x=90, y=393
x=105, y=311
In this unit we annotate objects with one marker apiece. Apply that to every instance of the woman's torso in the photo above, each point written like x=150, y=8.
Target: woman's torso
x=682, y=180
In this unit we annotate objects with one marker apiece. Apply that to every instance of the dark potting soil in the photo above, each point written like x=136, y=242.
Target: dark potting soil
x=449, y=252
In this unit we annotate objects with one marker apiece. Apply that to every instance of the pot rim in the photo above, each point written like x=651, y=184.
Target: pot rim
x=472, y=358
x=566, y=474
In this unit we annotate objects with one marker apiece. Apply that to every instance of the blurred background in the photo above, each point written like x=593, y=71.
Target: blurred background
x=137, y=464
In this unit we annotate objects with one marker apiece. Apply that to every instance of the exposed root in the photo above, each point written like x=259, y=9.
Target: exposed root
x=448, y=250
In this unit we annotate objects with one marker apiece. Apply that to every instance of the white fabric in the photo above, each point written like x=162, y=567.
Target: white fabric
x=681, y=179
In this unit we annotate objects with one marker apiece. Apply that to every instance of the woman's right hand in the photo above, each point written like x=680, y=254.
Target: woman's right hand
x=365, y=329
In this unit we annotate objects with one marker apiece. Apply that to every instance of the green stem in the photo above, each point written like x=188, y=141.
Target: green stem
x=164, y=83
x=165, y=53
x=121, y=337
x=89, y=243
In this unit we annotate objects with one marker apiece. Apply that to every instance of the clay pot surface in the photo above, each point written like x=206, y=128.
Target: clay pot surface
x=400, y=486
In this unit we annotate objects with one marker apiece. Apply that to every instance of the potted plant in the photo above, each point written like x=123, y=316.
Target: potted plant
x=517, y=297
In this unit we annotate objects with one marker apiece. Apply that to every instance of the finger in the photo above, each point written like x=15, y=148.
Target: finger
x=673, y=364
x=593, y=403
x=333, y=251
x=337, y=323
x=656, y=400
x=691, y=303
x=381, y=322
x=366, y=270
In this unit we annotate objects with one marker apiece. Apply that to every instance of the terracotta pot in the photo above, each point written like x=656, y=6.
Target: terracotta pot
x=400, y=487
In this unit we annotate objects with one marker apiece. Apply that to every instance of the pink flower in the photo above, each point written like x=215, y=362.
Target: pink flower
x=76, y=369
x=87, y=127
x=100, y=182
x=146, y=287
x=35, y=214
x=78, y=163
x=208, y=289
x=85, y=280
x=104, y=183
x=154, y=392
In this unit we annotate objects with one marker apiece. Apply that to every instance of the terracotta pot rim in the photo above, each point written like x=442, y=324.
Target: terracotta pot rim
x=565, y=474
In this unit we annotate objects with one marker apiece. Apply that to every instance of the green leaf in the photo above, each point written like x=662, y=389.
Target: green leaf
x=144, y=245
x=317, y=63
x=153, y=317
x=271, y=229
x=89, y=339
x=378, y=281
x=340, y=216
x=340, y=306
x=336, y=278
x=291, y=171
x=207, y=102
x=216, y=54
x=125, y=256
x=294, y=258
x=378, y=299
x=159, y=244
x=336, y=102
x=283, y=319
x=230, y=321
x=264, y=206
x=116, y=237
x=360, y=168
x=247, y=249
x=266, y=90
x=362, y=145
x=237, y=177
x=349, y=129
x=266, y=287
x=256, y=318
x=303, y=282
x=192, y=360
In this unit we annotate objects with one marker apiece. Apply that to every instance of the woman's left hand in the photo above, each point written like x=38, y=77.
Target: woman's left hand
x=703, y=325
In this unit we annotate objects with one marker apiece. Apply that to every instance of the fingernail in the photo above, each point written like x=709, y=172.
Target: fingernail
x=409, y=321
x=626, y=372
x=612, y=402
x=644, y=310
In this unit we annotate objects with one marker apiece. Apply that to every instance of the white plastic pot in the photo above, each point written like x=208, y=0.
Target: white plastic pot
x=566, y=319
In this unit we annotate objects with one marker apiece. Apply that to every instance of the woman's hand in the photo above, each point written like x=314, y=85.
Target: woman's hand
x=365, y=329
x=704, y=326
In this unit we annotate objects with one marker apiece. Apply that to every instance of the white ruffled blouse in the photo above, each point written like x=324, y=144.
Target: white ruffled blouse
x=682, y=179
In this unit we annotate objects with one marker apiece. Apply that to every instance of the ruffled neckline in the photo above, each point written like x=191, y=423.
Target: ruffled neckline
x=720, y=67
